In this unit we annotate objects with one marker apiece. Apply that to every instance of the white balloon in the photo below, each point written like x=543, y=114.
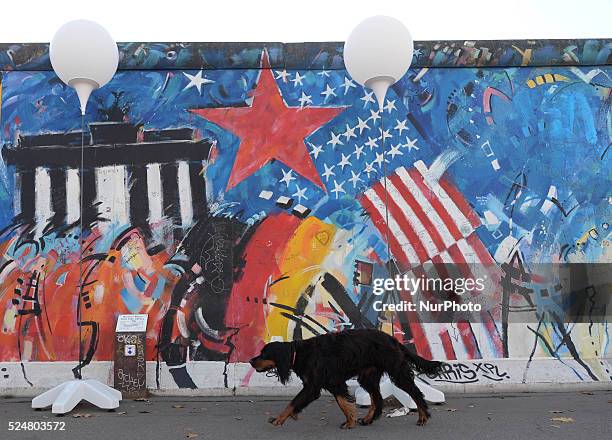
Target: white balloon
x=378, y=52
x=84, y=56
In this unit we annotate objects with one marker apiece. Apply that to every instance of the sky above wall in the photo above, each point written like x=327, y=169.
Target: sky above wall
x=308, y=20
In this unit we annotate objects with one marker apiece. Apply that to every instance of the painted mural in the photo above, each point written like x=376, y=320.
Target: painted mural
x=247, y=202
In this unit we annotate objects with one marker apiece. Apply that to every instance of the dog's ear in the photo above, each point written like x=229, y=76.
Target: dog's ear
x=283, y=362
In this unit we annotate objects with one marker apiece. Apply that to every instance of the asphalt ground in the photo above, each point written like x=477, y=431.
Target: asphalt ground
x=576, y=416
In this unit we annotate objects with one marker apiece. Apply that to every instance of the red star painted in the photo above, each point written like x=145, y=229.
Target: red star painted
x=269, y=129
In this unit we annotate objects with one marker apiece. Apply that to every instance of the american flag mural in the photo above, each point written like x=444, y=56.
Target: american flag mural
x=429, y=221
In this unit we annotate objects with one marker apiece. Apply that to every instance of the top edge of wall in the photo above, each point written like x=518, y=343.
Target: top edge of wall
x=327, y=55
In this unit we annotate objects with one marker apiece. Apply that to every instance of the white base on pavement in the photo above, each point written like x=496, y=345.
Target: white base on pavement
x=387, y=389
x=64, y=397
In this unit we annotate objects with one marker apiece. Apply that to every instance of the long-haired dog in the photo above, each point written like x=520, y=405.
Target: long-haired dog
x=328, y=361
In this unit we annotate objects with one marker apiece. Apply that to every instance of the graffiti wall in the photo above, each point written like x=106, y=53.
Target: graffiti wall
x=243, y=193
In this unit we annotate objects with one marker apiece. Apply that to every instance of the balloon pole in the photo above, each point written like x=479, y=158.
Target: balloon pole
x=65, y=396
x=80, y=289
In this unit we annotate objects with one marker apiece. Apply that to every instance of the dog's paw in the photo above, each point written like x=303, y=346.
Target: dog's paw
x=294, y=416
x=364, y=421
x=348, y=425
x=276, y=421
x=422, y=421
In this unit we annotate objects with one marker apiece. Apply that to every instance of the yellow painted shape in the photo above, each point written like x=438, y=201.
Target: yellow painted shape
x=300, y=262
x=531, y=83
x=548, y=78
x=539, y=80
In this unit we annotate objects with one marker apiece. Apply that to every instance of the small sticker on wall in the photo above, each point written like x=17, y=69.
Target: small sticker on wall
x=129, y=350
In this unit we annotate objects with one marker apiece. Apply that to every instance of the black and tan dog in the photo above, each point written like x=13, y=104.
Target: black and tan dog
x=328, y=361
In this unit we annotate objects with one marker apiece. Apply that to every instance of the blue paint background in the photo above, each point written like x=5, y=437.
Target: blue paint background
x=553, y=136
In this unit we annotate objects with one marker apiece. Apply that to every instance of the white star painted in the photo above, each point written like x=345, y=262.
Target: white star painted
x=329, y=91
x=395, y=151
x=298, y=79
x=358, y=151
x=355, y=178
x=367, y=98
x=369, y=168
x=282, y=74
x=305, y=99
x=316, y=149
x=344, y=162
x=300, y=193
x=390, y=106
x=401, y=126
x=335, y=140
x=362, y=125
x=348, y=84
x=372, y=143
x=374, y=115
x=338, y=188
x=380, y=158
x=328, y=172
x=410, y=144
x=323, y=73
x=349, y=133
x=287, y=177
x=386, y=134
x=196, y=81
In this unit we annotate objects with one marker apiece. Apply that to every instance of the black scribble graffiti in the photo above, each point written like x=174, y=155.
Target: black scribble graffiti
x=27, y=297
x=298, y=315
x=514, y=275
x=118, y=110
x=558, y=204
x=339, y=294
x=605, y=151
x=209, y=260
x=565, y=251
x=472, y=372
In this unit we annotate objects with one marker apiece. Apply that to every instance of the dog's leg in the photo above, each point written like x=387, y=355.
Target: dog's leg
x=299, y=402
x=369, y=379
x=346, y=403
x=404, y=379
x=349, y=410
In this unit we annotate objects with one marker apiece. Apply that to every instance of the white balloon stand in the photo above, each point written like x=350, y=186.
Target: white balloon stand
x=84, y=56
x=64, y=397
x=432, y=395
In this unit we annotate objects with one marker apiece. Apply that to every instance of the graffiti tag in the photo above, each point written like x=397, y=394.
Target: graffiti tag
x=470, y=373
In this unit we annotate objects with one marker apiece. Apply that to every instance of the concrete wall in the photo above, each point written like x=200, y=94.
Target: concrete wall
x=235, y=193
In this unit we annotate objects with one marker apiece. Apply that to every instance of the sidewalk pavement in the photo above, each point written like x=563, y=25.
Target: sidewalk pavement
x=577, y=415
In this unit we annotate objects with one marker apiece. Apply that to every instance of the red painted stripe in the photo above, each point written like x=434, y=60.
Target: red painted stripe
x=436, y=203
x=419, y=339
x=483, y=254
x=396, y=212
x=489, y=263
x=442, y=272
x=493, y=334
x=460, y=201
x=469, y=341
x=464, y=328
x=418, y=210
x=379, y=222
x=447, y=344
x=461, y=262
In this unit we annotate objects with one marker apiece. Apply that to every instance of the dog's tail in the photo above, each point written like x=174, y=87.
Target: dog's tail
x=422, y=365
